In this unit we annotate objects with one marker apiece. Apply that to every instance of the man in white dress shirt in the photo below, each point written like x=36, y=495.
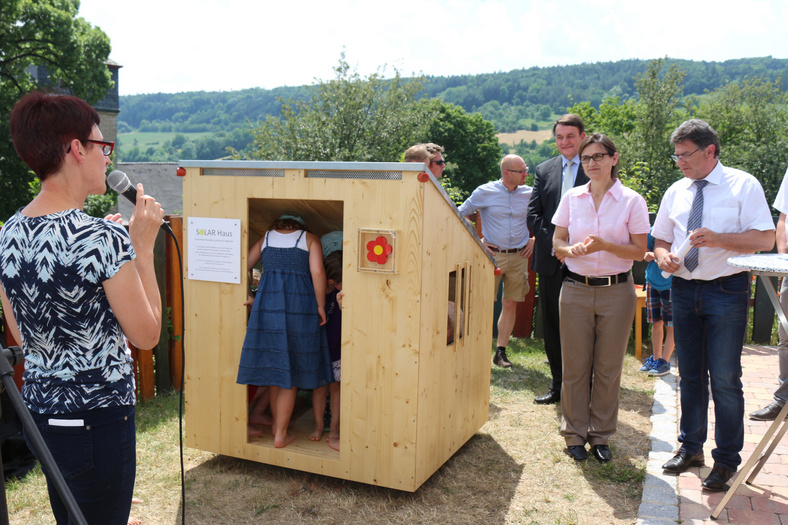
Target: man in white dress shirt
x=724, y=213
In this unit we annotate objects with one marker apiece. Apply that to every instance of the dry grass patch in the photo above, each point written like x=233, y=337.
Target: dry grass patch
x=514, y=139
x=514, y=470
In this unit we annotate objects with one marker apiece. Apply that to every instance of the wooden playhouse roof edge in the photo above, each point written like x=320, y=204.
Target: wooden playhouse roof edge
x=305, y=165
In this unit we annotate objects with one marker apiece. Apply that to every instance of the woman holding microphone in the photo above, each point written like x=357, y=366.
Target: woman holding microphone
x=72, y=286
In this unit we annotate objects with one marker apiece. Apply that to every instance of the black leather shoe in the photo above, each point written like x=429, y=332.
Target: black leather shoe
x=552, y=396
x=602, y=453
x=718, y=479
x=769, y=413
x=578, y=452
x=682, y=461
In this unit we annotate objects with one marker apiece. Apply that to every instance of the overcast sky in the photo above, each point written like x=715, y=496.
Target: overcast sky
x=170, y=46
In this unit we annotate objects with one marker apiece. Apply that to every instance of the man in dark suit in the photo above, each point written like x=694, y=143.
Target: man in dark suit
x=551, y=180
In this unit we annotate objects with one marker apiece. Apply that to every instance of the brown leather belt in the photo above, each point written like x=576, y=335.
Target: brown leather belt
x=510, y=250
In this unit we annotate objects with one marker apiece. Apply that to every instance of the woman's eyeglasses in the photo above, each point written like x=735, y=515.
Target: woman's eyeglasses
x=106, y=147
x=585, y=159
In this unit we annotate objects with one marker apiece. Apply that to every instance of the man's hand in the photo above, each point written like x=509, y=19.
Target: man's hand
x=669, y=262
x=704, y=238
x=528, y=250
x=490, y=247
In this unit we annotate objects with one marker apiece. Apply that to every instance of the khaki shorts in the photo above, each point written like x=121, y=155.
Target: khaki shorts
x=514, y=272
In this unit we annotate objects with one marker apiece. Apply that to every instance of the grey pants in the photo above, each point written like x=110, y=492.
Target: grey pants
x=781, y=394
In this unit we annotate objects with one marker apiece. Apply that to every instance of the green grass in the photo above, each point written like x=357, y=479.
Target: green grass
x=147, y=139
x=514, y=470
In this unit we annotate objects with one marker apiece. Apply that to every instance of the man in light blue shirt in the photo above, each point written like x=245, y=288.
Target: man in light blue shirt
x=503, y=207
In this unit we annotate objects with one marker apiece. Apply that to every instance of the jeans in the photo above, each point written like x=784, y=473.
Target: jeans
x=96, y=452
x=709, y=322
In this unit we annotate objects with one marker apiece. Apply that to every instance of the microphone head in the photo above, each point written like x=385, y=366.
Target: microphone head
x=118, y=181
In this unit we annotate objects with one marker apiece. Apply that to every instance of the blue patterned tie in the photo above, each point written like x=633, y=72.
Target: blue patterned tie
x=694, y=222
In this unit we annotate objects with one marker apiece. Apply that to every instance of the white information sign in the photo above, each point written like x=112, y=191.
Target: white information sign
x=214, y=249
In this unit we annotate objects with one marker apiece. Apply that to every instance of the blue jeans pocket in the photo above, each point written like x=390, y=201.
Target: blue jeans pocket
x=738, y=285
x=74, y=450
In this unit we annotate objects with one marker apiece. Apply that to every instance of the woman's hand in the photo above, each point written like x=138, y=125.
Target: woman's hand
x=594, y=243
x=114, y=217
x=578, y=249
x=145, y=222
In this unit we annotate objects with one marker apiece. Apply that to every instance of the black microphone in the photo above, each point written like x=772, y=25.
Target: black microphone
x=119, y=181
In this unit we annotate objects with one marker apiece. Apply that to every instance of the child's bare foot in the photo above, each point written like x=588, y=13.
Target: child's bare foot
x=333, y=442
x=253, y=431
x=263, y=420
x=317, y=433
x=132, y=520
x=283, y=441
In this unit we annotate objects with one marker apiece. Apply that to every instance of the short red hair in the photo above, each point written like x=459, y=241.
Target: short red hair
x=42, y=126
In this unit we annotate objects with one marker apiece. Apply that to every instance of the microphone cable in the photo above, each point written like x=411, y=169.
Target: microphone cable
x=183, y=373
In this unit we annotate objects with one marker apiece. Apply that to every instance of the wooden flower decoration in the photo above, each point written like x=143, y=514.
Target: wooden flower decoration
x=378, y=250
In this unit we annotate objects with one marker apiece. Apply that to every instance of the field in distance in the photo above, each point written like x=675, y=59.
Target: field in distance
x=145, y=139
x=514, y=138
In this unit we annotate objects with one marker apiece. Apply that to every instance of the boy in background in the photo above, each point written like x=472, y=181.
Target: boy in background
x=660, y=314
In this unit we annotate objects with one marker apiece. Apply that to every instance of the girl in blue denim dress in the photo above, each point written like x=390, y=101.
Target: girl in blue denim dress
x=285, y=348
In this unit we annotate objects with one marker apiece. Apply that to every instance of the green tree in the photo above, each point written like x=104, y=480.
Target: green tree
x=641, y=129
x=751, y=119
x=657, y=116
x=472, y=149
x=348, y=118
x=43, y=33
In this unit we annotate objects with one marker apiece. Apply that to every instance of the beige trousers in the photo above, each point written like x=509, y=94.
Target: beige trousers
x=596, y=322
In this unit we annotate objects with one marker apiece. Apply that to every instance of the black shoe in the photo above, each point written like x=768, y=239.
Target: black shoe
x=769, y=413
x=718, y=479
x=602, y=453
x=552, y=396
x=578, y=452
x=682, y=461
x=500, y=358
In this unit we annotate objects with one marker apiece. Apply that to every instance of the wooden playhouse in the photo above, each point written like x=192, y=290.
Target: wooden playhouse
x=409, y=400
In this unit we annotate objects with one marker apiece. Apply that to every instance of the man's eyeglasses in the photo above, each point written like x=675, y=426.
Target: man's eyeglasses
x=685, y=156
x=519, y=171
x=106, y=147
x=585, y=159
x=438, y=162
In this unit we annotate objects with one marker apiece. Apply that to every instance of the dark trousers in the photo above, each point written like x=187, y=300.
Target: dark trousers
x=97, y=458
x=709, y=325
x=549, y=292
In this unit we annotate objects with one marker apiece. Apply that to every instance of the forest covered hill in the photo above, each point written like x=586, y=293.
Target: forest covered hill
x=523, y=99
